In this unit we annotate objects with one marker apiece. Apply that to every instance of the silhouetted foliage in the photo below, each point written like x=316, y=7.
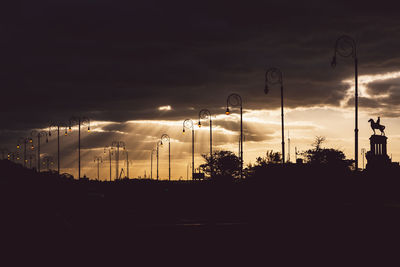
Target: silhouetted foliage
x=271, y=157
x=263, y=163
x=326, y=156
x=225, y=164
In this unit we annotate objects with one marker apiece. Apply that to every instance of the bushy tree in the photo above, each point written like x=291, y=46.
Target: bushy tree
x=225, y=164
x=273, y=157
x=326, y=156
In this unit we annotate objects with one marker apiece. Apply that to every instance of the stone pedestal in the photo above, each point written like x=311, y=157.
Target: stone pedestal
x=377, y=156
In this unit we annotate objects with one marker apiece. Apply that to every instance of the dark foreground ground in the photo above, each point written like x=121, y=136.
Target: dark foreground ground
x=323, y=220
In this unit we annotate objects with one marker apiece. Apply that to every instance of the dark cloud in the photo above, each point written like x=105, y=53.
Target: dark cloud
x=118, y=61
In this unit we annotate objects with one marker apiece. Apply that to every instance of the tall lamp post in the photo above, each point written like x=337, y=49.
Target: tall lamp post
x=57, y=126
x=165, y=138
x=39, y=134
x=235, y=100
x=98, y=160
x=274, y=76
x=188, y=123
x=151, y=163
x=109, y=157
x=206, y=114
x=117, y=145
x=345, y=46
x=80, y=121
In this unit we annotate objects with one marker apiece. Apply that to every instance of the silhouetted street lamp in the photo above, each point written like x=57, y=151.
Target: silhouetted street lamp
x=188, y=123
x=98, y=160
x=206, y=114
x=158, y=145
x=109, y=157
x=165, y=138
x=80, y=121
x=39, y=135
x=24, y=141
x=235, y=100
x=274, y=76
x=117, y=145
x=12, y=155
x=345, y=46
x=58, y=125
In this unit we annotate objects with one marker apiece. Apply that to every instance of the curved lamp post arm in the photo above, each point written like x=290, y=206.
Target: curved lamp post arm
x=233, y=100
x=204, y=114
x=345, y=46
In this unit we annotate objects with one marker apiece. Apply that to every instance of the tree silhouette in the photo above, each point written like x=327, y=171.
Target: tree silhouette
x=326, y=156
x=271, y=157
x=226, y=164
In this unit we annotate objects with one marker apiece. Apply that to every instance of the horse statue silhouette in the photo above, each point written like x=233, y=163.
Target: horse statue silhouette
x=377, y=125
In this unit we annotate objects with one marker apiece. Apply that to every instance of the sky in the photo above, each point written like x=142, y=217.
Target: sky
x=138, y=69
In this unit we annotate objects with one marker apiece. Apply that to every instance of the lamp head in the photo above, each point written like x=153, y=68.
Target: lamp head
x=227, y=112
x=266, y=89
x=199, y=124
x=88, y=129
x=69, y=129
x=49, y=133
x=30, y=140
x=18, y=146
x=333, y=63
x=183, y=132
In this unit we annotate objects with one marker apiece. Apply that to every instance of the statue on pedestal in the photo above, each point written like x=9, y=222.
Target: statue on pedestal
x=377, y=125
x=377, y=157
